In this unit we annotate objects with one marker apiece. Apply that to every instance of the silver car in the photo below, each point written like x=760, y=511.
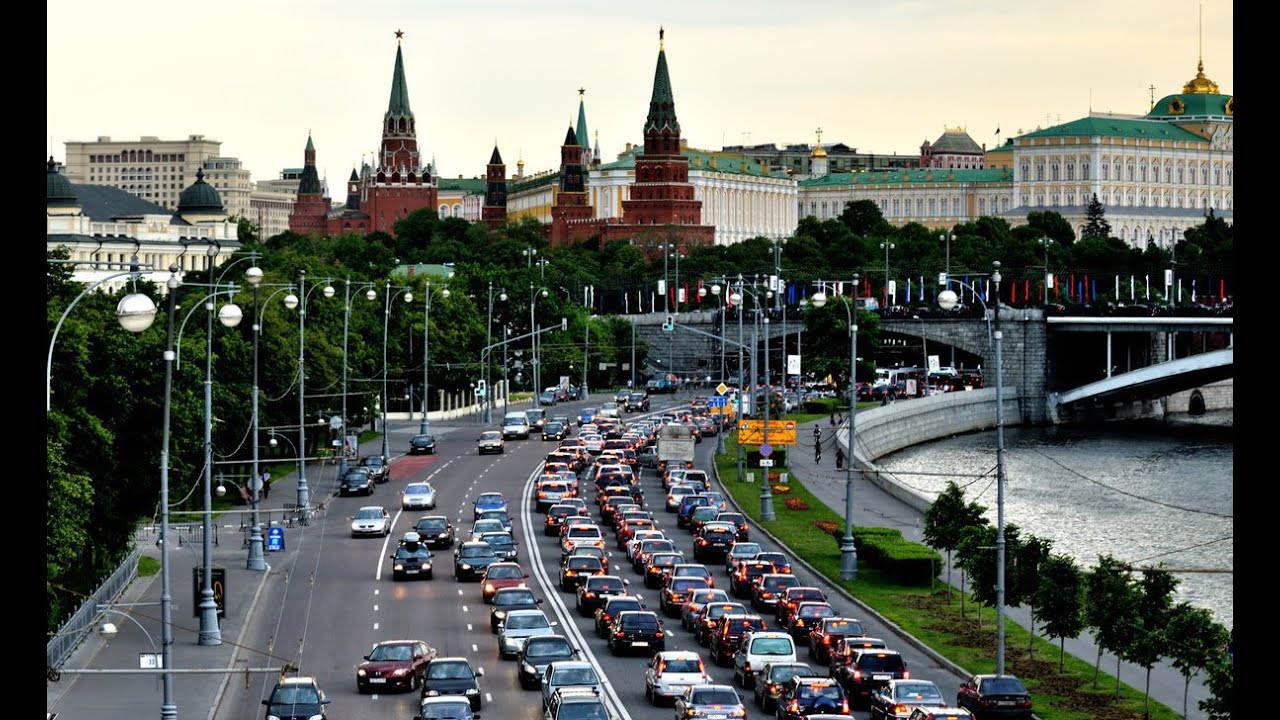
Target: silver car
x=569, y=673
x=520, y=625
x=418, y=496
x=371, y=520
x=490, y=441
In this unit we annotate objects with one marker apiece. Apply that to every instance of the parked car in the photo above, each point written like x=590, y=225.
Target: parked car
x=547, y=397
x=371, y=520
x=377, y=466
x=418, y=495
x=394, y=664
x=453, y=676
x=896, y=698
x=670, y=672
x=424, y=444
x=297, y=698
x=709, y=701
x=356, y=481
x=490, y=441
x=995, y=696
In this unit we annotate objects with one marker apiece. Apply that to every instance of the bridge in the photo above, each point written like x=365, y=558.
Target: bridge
x=1064, y=368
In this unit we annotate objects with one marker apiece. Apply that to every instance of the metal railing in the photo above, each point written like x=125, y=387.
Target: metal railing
x=81, y=622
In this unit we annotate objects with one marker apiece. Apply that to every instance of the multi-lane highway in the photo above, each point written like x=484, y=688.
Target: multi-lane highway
x=335, y=597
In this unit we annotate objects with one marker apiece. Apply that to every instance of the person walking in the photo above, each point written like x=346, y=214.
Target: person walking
x=839, y=458
x=266, y=484
x=817, y=444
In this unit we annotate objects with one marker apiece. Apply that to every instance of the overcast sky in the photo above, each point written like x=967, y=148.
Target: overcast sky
x=879, y=75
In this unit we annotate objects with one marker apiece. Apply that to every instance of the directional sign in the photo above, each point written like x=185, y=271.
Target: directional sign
x=718, y=401
x=766, y=450
x=722, y=388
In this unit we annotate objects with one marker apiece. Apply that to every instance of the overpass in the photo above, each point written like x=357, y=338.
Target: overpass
x=1149, y=384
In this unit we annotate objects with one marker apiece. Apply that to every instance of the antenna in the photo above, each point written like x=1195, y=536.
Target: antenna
x=1090, y=101
x=1200, y=38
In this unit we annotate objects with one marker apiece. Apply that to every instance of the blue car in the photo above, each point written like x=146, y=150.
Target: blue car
x=586, y=415
x=490, y=501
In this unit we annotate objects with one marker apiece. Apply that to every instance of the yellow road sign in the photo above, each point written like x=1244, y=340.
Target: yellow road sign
x=781, y=432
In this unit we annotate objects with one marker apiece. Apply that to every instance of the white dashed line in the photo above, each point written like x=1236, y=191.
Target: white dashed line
x=459, y=592
x=464, y=608
x=376, y=591
x=375, y=608
x=468, y=627
x=375, y=626
x=475, y=648
x=488, y=698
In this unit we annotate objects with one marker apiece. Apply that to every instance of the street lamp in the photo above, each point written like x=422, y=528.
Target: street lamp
x=256, y=559
x=716, y=290
x=425, y=425
x=1048, y=277
x=848, y=550
x=299, y=301
x=947, y=300
x=537, y=377
x=886, y=247
x=486, y=355
x=369, y=295
x=386, y=325
x=168, y=709
x=766, y=493
x=947, y=239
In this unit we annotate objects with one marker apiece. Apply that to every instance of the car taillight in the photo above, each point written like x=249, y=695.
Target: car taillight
x=795, y=706
x=906, y=674
x=857, y=674
x=899, y=709
x=658, y=634
x=619, y=634
x=844, y=706
x=826, y=640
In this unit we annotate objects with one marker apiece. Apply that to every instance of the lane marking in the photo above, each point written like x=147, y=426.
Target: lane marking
x=468, y=627
x=488, y=698
x=375, y=607
x=464, y=608
x=475, y=648
x=375, y=626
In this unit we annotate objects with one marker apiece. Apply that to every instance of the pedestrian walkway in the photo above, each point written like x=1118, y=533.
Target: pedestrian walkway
x=874, y=506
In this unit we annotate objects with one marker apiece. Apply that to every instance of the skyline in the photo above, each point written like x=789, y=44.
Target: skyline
x=503, y=70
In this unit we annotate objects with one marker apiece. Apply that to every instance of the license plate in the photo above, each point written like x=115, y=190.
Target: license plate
x=716, y=717
x=641, y=643
x=1005, y=702
x=410, y=572
x=881, y=677
x=377, y=681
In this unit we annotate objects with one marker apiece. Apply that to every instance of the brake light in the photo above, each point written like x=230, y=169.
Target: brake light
x=844, y=706
x=899, y=709
x=826, y=640
x=795, y=706
x=857, y=674
x=619, y=634
x=906, y=674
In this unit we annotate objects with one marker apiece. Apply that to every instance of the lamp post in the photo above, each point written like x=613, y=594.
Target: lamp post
x=299, y=301
x=369, y=295
x=848, y=550
x=779, y=304
x=947, y=299
x=886, y=247
x=1048, y=278
x=766, y=493
x=168, y=710
x=386, y=326
x=715, y=292
x=946, y=239
x=425, y=425
x=533, y=328
x=485, y=361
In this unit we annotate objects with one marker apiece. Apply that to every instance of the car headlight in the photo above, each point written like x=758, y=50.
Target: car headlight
x=465, y=566
x=526, y=667
x=500, y=614
x=430, y=693
x=399, y=566
x=361, y=672
x=273, y=717
x=399, y=672
x=473, y=691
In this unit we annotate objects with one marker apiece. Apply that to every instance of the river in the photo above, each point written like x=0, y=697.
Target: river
x=1143, y=493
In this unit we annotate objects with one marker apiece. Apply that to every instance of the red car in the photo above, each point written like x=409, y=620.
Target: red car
x=501, y=575
x=398, y=664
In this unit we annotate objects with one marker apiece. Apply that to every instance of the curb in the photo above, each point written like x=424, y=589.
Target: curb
x=915, y=642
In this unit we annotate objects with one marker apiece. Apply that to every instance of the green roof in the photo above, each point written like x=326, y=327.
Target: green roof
x=581, y=131
x=399, y=103
x=548, y=179
x=200, y=197
x=467, y=185
x=1192, y=105
x=956, y=141
x=57, y=188
x=921, y=175
x=662, y=105
x=1102, y=125
x=726, y=163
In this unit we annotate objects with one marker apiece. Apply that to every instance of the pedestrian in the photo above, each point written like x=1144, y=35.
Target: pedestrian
x=266, y=484
x=817, y=444
x=832, y=420
x=839, y=458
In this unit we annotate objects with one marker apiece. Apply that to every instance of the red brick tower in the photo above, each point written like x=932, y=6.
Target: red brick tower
x=570, y=205
x=494, y=212
x=310, y=208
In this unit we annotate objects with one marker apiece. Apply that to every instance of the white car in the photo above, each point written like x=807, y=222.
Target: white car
x=759, y=649
x=418, y=496
x=670, y=672
x=371, y=520
x=594, y=442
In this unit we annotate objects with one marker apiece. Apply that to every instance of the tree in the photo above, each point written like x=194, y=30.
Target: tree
x=977, y=556
x=1023, y=575
x=1149, y=641
x=1095, y=225
x=1110, y=609
x=946, y=519
x=863, y=217
x=1195, y=643
x=1048, y=223
x=1221, y=681
x=1059, y=602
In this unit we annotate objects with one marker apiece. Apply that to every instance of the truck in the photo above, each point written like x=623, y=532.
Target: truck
x=675, y=444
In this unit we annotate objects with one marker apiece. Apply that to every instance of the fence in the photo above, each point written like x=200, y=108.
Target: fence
x=80, y=623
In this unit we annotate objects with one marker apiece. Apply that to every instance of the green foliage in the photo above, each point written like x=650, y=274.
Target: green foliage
x=863, y=217
x=1048, y=223
x=1095, y=225
x=1059, y=601
x=1111, y=607
x=976, y=553
x=946, y=520
x=1195, y=642
x=1149, y=642
x=1221, y=681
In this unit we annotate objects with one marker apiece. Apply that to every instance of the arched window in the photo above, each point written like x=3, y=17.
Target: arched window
x=919, y=207
x=1168, y=174
x=896, y=209
x=1084, y=171
x=955, y=206
x=1130, y=172
x=933, y=207
x=444, y=211
x=1054, y=172
x=1142, y=172
x=1040, y=172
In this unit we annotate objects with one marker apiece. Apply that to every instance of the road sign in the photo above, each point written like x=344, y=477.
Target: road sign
x=219, y=584
x=766, y=450
x=718, y=401
x=722, y=388
x=275, y=539
x=766, y=462
x=150, y=661
x=781, y=432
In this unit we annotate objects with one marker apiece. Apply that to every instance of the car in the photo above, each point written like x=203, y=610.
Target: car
x=825, y=637
x=740, y=552
x=471, y=559
x=371, y=520
x=436, y=531
x=539, y=652
x=791, y=598
x=867, y=670
x=577, y=703
x=518, y=626
x=595, y=590
x=537, y=418
x=480, y=527
x=377, y=466
x=767, y=588
x=658, y=566
x=940, y=713
x=551, y=492
x=515, y=426
x=394, y=664
x=648, y=456
x=700, y=516
x=566, y=674
x=489, y=501
x=411, y=558
x=994, y=696
x=297, y=698
x=453, y=676
x=554, y=430
x=547, y=398
x=691, y=612
x=608, y=409
x=780, y=562
x=803, y=697
x=356, y=481
x=490, y=441
x=504, y=546
x=807, y=615
x=757, y=650
x=445, y=708
x=896, y=698
x=508, y=600
x=670, y=672
x=418, y=495
x=502, y=516
x=739, y=522
x=501, y=575
x=578, y=535
x=676, y=591
x=596, y=552
x=772, y=677
x=729, y=634
x=710, y=701
x=576, y=569
x=710, y=619
x=586, y=415
x=847, y=646
x=424, y=444
x=612, y=606
x=636, y=402
x=634, y=629
x=555, y=517
x=743, y=578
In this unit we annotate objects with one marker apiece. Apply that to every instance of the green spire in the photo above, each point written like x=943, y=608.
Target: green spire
x=399, y=104
x=310, y=145
x=662, y=106
x=582, y=120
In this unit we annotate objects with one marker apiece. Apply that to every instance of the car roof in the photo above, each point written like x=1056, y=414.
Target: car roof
x=374, y=507
x=526, y=612
x=305, y=680
x=679, y=655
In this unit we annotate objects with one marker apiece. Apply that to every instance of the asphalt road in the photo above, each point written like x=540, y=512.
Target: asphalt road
x=339, y=599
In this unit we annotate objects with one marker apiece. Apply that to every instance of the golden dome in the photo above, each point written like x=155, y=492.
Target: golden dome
x=818, y=152
x=1200, y=84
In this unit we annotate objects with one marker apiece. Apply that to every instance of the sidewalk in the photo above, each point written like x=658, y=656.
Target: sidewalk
x=874, y=506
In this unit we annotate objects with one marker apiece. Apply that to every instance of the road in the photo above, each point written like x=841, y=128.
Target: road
x=338, y=598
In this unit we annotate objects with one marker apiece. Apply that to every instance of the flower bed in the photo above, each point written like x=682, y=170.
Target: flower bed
x=780, y=489
x=829, y=528
x=795, y=503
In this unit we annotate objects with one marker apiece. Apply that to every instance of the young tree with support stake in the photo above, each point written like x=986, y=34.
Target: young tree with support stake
x=1150, y=641
x=1024, y=578
x=1110, y=609
x=946, y=519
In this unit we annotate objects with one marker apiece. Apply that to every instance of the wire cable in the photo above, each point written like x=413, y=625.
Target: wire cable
x=1153, y=501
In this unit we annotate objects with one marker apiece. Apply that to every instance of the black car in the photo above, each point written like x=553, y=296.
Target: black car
x=539, y=652
x=554, y=430
x=636, y=629
x=805, y=696
x=357, y=481
x=637, y=402
x=595, y=590
x=995, y=696
x=452, y=676
x=411, y=560
x=296, y=698
x=425, y=444
x=377, y=467
x=471, y=559
x=612, y=606
x=869, y=670
x=436, y=531
x=508, y=599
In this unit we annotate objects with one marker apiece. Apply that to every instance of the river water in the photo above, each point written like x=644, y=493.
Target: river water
x=1144, y=494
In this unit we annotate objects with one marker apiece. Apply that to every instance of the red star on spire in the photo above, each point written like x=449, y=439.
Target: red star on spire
x=399, y=34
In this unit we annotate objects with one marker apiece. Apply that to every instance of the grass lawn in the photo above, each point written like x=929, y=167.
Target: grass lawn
x=966, y=637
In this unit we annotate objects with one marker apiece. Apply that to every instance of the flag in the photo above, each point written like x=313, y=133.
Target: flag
x=686, y=292
x=908, y=295
x=921, y=288
x=866, y=287
x=1085, y=295
x=1093, y=290
x=626, y=303
x=997, y=132
x=1026, y=290
x=1056, y=285
x=1222, y=289
x=1071, y=286
x=699, y=295
x=1013, y=293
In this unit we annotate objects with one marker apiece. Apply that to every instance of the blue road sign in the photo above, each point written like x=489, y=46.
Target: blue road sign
x=275, y=539
x=716, y=401
x=766, y=450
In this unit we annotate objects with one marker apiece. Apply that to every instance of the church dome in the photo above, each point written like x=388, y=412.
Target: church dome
x=201, y=197
x=57, y=188
x=1200, y=97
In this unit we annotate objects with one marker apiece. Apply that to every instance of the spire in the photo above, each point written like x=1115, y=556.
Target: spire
x=496, y=158
x=399, y=103
x=309, y=183
x=662, y=106
x=582, y=119
x=595, y=155
x=310, y=145
x=570, y=138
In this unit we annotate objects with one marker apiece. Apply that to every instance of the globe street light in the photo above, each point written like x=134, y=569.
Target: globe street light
x=386, y=325
x=947, y=300
x=257, y=559
x=886, y=247
x=168, y=709
x=425, y=425
x=299, y=301
x=848, y=550
x=370, y=295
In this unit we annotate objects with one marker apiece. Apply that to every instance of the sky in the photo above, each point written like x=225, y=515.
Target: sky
x=881, y=76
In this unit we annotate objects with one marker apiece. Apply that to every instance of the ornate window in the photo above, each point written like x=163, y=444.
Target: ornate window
x=1084, y=171
x=1026, y=172
x=1130, y=172
x=1168, y=174
x=933, y=208
x=1040, y=172
x=1054, y=171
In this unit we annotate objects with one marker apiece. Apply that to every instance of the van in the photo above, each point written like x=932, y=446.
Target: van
x=537, y=418
x=515, y=425
x=759, y=649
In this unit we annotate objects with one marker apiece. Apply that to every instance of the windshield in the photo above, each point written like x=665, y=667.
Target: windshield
x=484, y=526
x=374, y=461
x=433, y=525
x=715, y=696
x=505, y=572
x=527, y=622
x=476, y=552
x=843, y=627
x=574, y=676
x=450, y=671
x=417, y=489
x=524, y=597
x=488, y=499
x=923, y=691
x=547, y=651
x=622, y=605
x=1000, y=685
x=404, y=552
x=582, y=562
x=354, y=477
x=784, y=673
x=369, y=514
x=680, y=584
x=745, y=549
x=385, y=653
x=881, y=662
x=500, y=539
x=683, y=665
x=295, y=695
x=639, y=621
x=772, y=646
x=491, y=435
x=459, y=710
x=813, y=692
x=589, y=710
